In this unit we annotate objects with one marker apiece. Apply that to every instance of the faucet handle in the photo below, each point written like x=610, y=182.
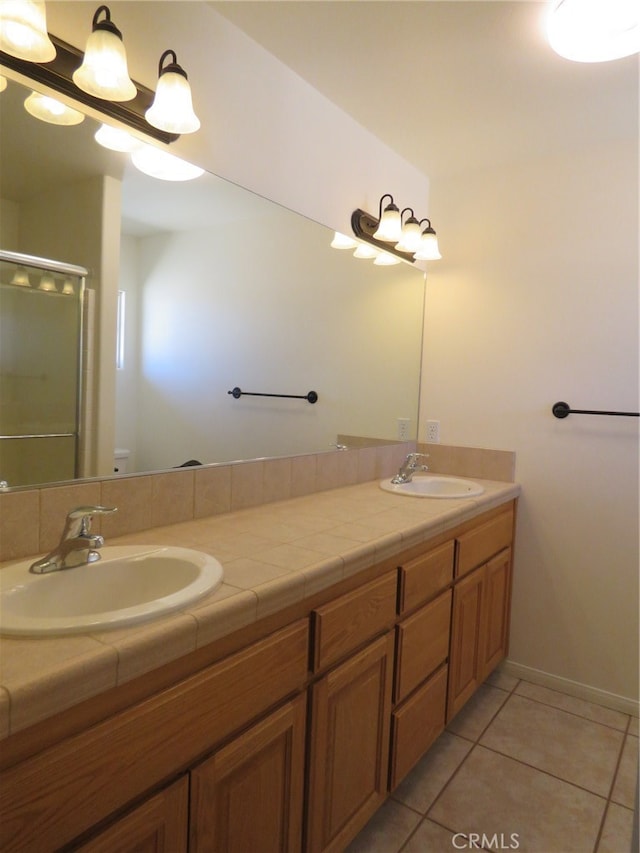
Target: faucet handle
x=79, y=519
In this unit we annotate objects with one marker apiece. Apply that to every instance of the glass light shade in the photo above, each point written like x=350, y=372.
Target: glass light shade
x=428, y=249
x=341, y=241
x=365, y=251
x=384, y=259
x=162, y=165
x=390, y=226
x=410, y=237
x=594, y=30
x=104, y=72
x=116, y=139
x=47, y=282
x=23, y=30
x=3, y=83
x=21, y=277
x=172, y=108
x=67, y=287
x=51, y=110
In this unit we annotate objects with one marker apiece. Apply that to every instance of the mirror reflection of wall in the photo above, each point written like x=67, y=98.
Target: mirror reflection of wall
x=222, y=288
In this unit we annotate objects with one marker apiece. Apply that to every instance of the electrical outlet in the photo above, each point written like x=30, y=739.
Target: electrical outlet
x=433, y=432
x=403, y=429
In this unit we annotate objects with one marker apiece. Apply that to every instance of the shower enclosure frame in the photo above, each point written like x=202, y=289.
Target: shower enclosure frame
x=81, y=273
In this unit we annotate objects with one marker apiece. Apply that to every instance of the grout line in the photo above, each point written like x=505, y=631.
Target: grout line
x=575, y=713
x=612, y=786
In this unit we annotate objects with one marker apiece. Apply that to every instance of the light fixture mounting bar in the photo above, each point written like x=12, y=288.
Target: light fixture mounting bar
x=57, y=74
x=364, y=227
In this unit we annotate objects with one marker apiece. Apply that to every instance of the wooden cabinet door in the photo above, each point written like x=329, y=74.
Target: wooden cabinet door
x=494, y=626
x=249, y=795
x=465, y=633
x=350, y=721
x=159, y=825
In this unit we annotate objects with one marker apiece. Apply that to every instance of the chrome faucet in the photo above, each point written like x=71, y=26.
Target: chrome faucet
x=409, y=468
x=77, y=545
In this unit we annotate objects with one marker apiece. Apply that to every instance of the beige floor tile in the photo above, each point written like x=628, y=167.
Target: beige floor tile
x=624, y=789
x=420, y=788
x=634, y=729
x=476, y=715
x=503, y=680
x=570, y=747
x=574, y=705
x=387, y=830
x=429, y=837
x=617, y=830
x=494, y=794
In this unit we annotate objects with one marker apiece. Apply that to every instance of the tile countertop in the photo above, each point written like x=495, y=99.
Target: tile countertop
x=273, y=556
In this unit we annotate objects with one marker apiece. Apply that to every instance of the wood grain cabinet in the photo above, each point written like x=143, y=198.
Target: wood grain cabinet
x=290, y=738
x=349, y=746
x=481, y=605
x=249, y=795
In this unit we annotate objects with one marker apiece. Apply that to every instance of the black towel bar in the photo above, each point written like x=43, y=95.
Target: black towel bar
x=311, y=397
x=563, y=410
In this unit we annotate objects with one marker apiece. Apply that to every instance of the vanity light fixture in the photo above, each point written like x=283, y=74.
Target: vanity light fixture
x=104, y=73
x=23, y=30
x=410, y=234
x=411, y=244
x=47, y=283
x=51, y=110
x=21, y=277
x=594, y=30
x=3, y=83
x=67, y=287
x=366, y=252
x=172, y=108
x=384, y=259
x=428, y=247
x=389, y=221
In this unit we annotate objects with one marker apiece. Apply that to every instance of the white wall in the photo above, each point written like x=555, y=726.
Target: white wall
x=536, y=301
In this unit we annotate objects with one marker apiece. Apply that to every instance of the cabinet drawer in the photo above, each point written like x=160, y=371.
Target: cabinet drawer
x=346, y=623
x=424, y=577
x=416, y=724
x=478, y=545
x=423, y=644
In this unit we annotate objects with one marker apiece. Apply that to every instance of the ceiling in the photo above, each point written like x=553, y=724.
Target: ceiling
x=451, y=85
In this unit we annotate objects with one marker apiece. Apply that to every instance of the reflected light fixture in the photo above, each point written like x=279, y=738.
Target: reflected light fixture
x=51, y=110
x=116, y=139
x=67, y=287
x=341, y=241
x=172, y=107
x=160, y=164
x=594, y=30
x=428, y=246
x=23, y=30
x=384, y=259
x=366, y=252
x=104, y=73
x=21, y=277
x=389, y=222
x=47, y=282
x=3, y=83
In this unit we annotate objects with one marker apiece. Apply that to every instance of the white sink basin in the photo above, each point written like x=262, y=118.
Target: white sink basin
x=129, y=584
x=434, y=486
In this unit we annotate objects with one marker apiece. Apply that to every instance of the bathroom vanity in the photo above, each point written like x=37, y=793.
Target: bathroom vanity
x=289, y=733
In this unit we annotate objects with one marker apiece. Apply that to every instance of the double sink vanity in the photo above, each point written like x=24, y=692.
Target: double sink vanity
x=313, y=673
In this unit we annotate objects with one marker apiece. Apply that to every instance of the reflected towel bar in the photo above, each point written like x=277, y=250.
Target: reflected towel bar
x=563, y=410
x=311, y=397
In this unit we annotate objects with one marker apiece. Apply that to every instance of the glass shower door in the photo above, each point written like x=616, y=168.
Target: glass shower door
x=40, y=369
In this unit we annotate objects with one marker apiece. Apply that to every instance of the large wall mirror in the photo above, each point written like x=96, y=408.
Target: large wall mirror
x=222, y=289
